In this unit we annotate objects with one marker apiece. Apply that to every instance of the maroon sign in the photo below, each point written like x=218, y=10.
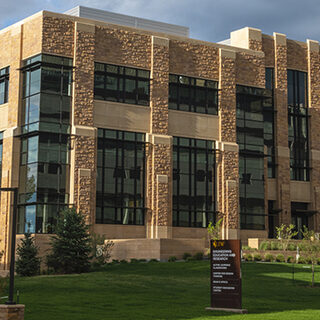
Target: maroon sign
x=226, y=274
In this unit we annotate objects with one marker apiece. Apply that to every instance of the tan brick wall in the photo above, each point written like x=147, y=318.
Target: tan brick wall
x=255, y=45
x=5, y=55
x=194, y=60
x=297, y=55
x=32, y=37
x=123, y=47
x=57, y=36
x=10, y=158
x=12, y=312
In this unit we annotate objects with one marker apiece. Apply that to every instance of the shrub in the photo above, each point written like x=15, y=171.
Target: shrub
x=291, y=259
x=246, y=248
x=280, y=258
x=308, y=260
x=257, y=257
x=198, y=256
x=71, y=246
x=172, y=259
x=265, y=245
x=123, y=261
x=275, y=245
x=4, y=284
x=318, y=261
x=302, y=260
x=186, y=255
x=101, y=249
x=28, y=262
x=134, y=260
x=248, y=257
x=190, y=259
x=115, y=261
x=268, y=257
x=143, y=260
x=292, y=247
x=153, y=260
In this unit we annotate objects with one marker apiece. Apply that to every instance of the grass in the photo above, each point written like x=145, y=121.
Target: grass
x=168, y=291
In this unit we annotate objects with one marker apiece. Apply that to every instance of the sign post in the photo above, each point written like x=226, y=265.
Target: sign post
x=225, y=277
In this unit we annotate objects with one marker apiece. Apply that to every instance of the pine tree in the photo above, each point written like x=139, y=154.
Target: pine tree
x=28, y=262
x=71, y=244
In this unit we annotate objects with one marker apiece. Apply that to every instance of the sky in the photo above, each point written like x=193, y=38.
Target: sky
x=210, y=20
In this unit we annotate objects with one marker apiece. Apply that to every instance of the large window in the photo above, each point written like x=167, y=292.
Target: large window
x=44, y=159
x=121, y=177
x=121, y=84
x=268, y=120
x=47, y=85
x=193, y=95
x=250, y=137
x=4, y=85
x=298, y=125
x=193, y=182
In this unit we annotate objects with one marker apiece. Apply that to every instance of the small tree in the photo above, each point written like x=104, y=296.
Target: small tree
x=311, y=247
x=28, y=262
x=214, y=230
x=71, y=244
x=285, y=233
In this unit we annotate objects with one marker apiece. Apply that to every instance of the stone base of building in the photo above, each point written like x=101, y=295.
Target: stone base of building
x=160, y=249
x=11, y=312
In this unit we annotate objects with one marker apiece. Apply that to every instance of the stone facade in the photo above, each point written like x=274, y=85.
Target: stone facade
x=242, y=63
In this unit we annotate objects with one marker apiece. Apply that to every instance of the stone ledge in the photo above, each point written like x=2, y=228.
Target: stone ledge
x=159, y=41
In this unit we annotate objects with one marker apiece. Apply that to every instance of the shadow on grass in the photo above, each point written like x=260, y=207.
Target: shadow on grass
x=163, y=291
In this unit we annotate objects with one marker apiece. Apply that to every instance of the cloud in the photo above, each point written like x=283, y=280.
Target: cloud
x=210, y=20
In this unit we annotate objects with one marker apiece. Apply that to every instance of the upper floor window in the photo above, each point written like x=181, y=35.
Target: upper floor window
x=4, y=85
x=121, y=84
x=297, y=89
x=298, y=125
x=47, y=88
x=193, y=95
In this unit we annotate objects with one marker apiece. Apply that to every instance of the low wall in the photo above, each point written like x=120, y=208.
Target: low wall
x=160, y=249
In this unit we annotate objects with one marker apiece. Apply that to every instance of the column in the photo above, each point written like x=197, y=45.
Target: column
x=159, y=218
x=83, y=142
x=228, y=168
x=281, y=128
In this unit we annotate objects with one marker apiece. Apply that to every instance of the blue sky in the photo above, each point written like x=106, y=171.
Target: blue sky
x=210, y=20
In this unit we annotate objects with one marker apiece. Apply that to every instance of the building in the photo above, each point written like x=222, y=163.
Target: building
x=151, y=134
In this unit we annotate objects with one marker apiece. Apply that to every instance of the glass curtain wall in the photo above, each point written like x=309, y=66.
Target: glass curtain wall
x=44, y=159
x=298, y=125
x=193, y=182
x=121, y=177
x=250, y=137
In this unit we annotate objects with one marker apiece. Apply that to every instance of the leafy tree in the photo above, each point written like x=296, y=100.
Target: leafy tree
x=71, y=244
x=214, y=230
x=28, y=262
x=311, y=247
x=285, y=233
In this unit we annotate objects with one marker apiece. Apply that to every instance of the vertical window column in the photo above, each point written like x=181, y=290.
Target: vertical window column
x=193, y=182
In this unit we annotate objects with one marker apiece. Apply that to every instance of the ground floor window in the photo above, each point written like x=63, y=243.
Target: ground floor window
x=121, y=177
x=193, y=182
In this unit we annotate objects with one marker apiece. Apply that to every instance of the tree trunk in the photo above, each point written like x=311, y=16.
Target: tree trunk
x=312, y=274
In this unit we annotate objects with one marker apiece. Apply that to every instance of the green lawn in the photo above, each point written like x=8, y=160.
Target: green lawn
x=168, y=291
